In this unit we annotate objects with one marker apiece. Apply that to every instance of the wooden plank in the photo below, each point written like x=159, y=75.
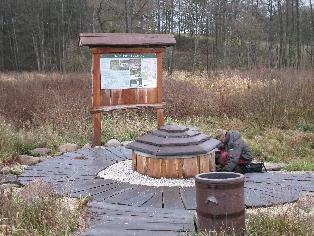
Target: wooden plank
x=190, y=167
x=124, y=107
x=152, y=95
x=126, y=153
x=188, y=197
x=160, y=117
x=116, y=230
x=129, y=96
x=96, y=100
x=105, y=97
x=116, y=97
x=180, y=168
x=134, y=161
x=142, y=96
x=159, y=77
x=212, y=164
x=171, y=168
x=141, y=164
x=116, y=154
x=122, y=50
x=156, y=200
x=163, y=167
x=126, y=40
x=145, y=195
x=160, y=112
x=123, y=197
x=102, y=193
x=172, y=198
x=153, y=166
x=204, y=164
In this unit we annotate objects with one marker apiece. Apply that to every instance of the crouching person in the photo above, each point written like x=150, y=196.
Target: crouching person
x=234, y=153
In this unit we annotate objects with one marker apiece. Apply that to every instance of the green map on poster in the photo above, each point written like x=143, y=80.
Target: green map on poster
x=124, y=71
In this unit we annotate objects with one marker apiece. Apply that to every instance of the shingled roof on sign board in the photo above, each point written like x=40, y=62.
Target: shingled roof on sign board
x=126, y=40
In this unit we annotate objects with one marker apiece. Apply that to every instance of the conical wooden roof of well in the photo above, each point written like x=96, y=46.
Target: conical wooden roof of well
x=174, y=140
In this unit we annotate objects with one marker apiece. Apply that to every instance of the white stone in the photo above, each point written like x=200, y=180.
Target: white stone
x=126, y=143
x=122, y=172
x=87, y=145
x=28, y=160
x=40, y=151
x=113, y=143
x=274, y=166
x=5, y=170
x=68, y=147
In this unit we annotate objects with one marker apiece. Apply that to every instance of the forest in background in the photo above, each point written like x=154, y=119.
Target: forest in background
x=43, y=35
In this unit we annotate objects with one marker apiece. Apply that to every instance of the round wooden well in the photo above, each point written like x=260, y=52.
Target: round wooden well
x=173, y=152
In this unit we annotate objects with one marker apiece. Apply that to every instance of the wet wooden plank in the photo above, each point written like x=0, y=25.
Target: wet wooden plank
x=172, y=198
x=188, y=197
x=100, y=230
x=104, y=192
x=137, y=220
x=122, y=198
x=85, y=187
x=156, y=200
x=140, y=199
x=116, y=154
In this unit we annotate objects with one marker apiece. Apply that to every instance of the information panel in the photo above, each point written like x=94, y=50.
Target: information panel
x=124, y=71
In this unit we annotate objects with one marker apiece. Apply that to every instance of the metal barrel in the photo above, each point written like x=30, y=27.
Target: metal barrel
x=220, y=202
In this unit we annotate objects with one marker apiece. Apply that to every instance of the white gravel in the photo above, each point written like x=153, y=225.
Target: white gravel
x=122, y=172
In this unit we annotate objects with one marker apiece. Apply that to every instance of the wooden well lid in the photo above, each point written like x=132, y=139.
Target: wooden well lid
x=174, y=140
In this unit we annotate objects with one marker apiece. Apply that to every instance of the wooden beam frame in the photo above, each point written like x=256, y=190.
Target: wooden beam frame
x=96, y=97
x=96, y=100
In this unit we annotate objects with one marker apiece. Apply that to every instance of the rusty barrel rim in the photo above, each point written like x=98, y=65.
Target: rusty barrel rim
x=219, y=178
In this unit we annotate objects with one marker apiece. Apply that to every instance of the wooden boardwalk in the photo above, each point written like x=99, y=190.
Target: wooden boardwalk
x=74, y=174
x=112, y=219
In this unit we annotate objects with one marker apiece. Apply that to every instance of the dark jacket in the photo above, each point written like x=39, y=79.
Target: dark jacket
x=237, y=148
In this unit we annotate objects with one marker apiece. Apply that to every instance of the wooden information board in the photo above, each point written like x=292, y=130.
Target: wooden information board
x=126, y=73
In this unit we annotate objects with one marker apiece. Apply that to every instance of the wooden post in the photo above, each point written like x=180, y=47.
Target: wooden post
x=160, y=112
x=160, y=117
x=96, y=100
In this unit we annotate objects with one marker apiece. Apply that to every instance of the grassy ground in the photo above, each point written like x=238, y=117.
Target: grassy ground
x=36, y=211
x=290, y=222
x=273, y=110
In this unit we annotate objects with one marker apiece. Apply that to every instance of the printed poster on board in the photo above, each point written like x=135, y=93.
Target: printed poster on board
x=124, y=71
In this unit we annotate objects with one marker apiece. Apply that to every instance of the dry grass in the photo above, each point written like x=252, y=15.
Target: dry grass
x=290, y=222
x=37, y=211
x=33, y=99
x=273, y=109
x=266, y=98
